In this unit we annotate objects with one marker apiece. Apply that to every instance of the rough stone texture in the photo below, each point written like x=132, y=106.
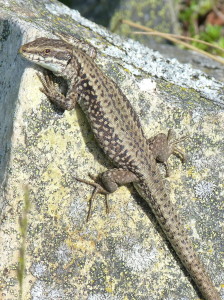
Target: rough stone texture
x=123, y=255
x=97, y=11
x=198, y=61
x=160, y=15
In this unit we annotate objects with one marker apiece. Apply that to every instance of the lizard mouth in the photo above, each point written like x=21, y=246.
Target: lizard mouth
x=28, y=55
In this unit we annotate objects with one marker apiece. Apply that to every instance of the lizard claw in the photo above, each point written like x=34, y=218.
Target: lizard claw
x=98, y=190
x=162, y=146
x=49, y=88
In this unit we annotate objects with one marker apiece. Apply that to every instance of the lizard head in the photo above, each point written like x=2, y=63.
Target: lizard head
x=51, y=54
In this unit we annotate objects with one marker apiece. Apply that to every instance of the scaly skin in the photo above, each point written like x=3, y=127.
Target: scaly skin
x=118, y=131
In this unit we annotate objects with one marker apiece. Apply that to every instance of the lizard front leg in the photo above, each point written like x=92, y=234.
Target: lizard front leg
x=51, y=90
x=111, y=180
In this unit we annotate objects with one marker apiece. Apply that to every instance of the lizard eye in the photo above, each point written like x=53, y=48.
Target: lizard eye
x=47, y=51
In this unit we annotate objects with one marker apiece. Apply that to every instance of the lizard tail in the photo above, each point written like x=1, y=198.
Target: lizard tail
x=169, y=220
x=183, y=246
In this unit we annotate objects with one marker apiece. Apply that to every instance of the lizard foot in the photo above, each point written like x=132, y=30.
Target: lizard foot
x=49, y=88
x=162, y=146
x=52, y=91
x=173, y=141
x=98, y=190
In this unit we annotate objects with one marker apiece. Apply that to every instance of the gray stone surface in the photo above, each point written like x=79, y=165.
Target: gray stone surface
x=159, y=15
x=122, y=255
x=197, y=61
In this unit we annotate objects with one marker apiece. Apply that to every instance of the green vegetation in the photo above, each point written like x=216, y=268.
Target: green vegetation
x=200, y=20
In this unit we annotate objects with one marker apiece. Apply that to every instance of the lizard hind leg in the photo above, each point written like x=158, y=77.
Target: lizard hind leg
x=172, y=145
x=111, y=180
x=162, y=146
x=97, y=190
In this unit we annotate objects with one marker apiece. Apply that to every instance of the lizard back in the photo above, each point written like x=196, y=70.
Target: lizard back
x=117, y=128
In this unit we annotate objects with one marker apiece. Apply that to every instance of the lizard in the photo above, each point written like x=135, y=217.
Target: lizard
x=118, y=131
